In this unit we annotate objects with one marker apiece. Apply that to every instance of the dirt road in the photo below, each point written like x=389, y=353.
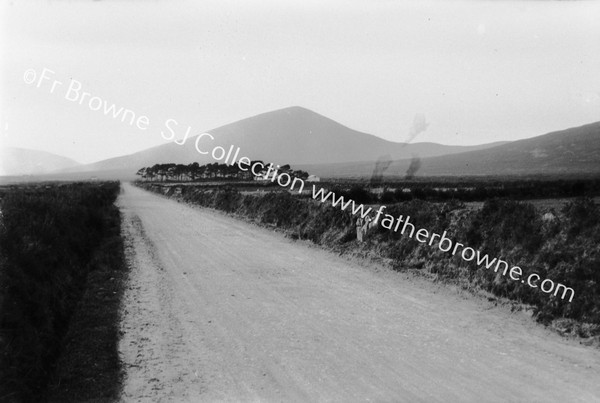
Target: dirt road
x=221, y=310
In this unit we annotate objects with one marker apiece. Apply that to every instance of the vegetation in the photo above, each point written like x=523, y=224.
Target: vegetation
x=195, y=172
x=556, y=245
x=477, y=190
x=560, y=245
x=60, y=276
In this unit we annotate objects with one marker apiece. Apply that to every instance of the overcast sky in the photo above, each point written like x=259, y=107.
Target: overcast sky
x=479, y=71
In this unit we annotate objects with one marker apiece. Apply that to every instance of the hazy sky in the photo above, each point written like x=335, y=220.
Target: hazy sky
x=478, y=71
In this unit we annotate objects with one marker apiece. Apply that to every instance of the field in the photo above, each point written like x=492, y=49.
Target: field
x=204, y=320
x=61, y=276
x=466, y=189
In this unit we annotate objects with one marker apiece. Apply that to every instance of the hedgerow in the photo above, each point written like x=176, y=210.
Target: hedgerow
x=48, y=239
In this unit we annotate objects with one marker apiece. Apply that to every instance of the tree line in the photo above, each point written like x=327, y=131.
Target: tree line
x=215, y=171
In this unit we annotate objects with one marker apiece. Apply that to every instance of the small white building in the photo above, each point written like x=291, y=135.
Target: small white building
x=313, y=178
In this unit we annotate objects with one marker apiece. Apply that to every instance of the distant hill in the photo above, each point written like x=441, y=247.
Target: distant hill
x=315, y=143
x=574, y=151
x=292, y=135
x=21, y=161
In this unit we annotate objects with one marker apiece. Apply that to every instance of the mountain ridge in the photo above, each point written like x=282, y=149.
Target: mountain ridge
x=23, y=161
x=311, y=141
x=572, y=151
x=293, y=135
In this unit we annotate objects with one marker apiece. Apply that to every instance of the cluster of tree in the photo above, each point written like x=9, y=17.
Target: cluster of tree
x=215, y=171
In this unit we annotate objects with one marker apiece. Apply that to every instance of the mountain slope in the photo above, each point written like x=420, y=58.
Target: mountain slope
x=300, y=136
x=21, y=161
x=292, y=135
x=574, y=151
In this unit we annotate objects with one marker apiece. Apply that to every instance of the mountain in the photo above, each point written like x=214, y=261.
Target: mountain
x=292, y=135
x=315, y=143
x=574, y=151
x=21, y=161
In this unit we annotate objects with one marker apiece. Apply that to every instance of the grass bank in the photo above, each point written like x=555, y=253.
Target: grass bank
x=60, y=284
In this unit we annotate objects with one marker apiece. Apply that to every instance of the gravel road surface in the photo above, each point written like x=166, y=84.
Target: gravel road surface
x=218, y=309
